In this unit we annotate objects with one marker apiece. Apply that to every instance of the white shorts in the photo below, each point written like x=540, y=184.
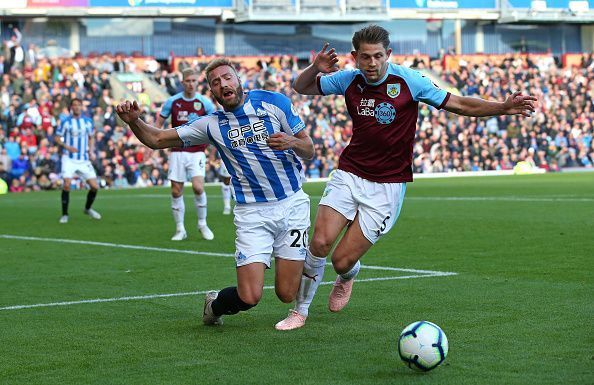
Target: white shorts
x=272, y=228
x=83, y=168
x=378, y=204
x=185, y=165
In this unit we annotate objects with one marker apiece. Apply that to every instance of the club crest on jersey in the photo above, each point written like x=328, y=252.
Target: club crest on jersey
x=197, y=105
x=261, y=113
x=393, y=90
x=385, y=113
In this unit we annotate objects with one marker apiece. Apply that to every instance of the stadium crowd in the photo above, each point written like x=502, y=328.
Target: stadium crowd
x=35, y=92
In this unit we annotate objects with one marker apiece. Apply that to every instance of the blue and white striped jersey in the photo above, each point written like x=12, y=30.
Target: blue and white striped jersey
x=258, y=173
x=75, y=132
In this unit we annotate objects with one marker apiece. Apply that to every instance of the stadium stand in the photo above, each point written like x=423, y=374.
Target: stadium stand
x=35, y=92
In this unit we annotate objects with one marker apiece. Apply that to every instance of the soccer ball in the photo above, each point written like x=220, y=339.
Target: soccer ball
x=422, y=346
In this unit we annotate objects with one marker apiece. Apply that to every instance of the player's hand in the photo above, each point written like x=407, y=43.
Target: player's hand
x=71, y=148
x=128, y=111
x=281, y=141
x=518, y=104
x=326, y=61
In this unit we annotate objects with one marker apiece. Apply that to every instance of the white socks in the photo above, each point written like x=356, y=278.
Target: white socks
x=351, y=273
x=226, y=190
x=313, y=273
x=178, y=209
x=200, y=203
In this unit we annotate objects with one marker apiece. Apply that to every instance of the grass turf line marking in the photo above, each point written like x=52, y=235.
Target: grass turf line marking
x=421, y=198
x=117, y=245
x=559, y=199
x=162, y=249
x=153, y=296
x=419, y=273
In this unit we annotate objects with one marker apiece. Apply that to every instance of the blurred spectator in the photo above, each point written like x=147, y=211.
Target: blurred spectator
x=34, y=96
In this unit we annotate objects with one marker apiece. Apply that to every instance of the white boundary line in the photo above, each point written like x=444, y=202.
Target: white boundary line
x=557, y=199
x=117, y=245
x=419, y=198
x=419, y=273
x=152, y=296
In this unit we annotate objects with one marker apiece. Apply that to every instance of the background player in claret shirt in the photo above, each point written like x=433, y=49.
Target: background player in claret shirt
x=367, y=190
x=76, y=136
x=187, y=162
x=260, y=138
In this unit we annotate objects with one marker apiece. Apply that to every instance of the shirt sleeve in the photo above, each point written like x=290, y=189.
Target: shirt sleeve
x=336, y=83
x=194, y=132
x=166, y=108
x=290, y=121
x=424, y=90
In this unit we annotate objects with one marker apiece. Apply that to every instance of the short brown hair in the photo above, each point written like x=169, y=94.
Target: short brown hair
x=189, y=72
x=216, y=63
x=372, y=34
x=75, y=99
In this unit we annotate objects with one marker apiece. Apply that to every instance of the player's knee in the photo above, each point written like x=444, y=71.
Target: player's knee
x=250, y=299
x=285, y=295
x=341, y=265
x=198, y=190
x=320, y=246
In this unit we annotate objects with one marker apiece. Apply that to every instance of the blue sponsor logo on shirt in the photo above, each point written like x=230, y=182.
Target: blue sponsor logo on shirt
x=385, y=113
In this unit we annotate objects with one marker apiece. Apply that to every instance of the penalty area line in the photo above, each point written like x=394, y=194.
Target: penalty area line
x=186, y=294
x=180, y=251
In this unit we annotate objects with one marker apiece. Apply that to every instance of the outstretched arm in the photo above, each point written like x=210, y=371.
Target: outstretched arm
x=325, y=62
x=515, y=104
x=149, y=135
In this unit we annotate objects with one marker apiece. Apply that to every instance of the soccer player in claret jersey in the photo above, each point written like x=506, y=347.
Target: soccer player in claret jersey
x=76, y=136
x=366, y=193
x=187, y=162
x=260, y=138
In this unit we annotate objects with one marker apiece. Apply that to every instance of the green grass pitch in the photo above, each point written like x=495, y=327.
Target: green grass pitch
x=518, y=310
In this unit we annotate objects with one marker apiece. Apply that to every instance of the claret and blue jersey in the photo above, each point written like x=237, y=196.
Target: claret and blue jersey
x=183, y=110
x=75, y=132
x=384, y=118
x=258, y=173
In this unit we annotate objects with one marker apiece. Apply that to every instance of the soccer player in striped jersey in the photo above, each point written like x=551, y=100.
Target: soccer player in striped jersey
x=189, y=162
x=76, y=136
x=366, y=193
x=260, y=138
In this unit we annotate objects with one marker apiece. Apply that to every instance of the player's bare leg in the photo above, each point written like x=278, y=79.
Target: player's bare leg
x=178, y=209
x=232, y=300
x=200, y=204
x=65, y=200
x=94, y=187
x=328, y=226
x=287, y=280
x=345, y=260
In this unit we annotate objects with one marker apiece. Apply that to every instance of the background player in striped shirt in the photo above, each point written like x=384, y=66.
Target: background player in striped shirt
x=260, y=138
x=76, y=136
x=367, y=191
x=188, y=163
